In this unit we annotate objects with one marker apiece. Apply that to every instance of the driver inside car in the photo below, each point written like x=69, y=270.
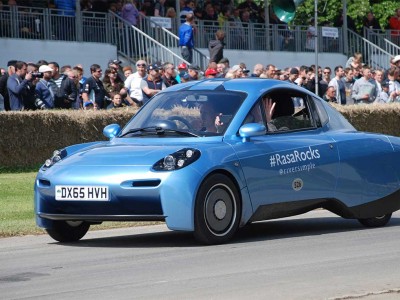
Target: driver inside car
x=210, y=118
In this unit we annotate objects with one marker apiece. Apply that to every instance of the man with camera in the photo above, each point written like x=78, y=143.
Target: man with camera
x=18, y=86
x=44, y=91
x=65, y=91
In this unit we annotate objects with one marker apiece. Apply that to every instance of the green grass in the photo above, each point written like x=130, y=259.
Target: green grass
x=16, y=207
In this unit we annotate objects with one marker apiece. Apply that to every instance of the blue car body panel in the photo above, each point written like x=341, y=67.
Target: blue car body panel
x=328, y=164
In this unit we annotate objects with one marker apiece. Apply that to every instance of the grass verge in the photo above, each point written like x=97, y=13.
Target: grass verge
x=16, y=207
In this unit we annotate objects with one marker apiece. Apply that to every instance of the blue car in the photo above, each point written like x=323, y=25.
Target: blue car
x=212, y=156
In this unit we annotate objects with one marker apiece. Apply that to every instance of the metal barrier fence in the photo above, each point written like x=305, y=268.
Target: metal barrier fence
x=168, y=39
x=54, y=24
x=134, y=44
x=373, y=55
x=143, y=40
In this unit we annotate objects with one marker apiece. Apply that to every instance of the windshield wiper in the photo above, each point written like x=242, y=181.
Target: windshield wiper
x=159, y=131
x=181, y=132
x=156, y=129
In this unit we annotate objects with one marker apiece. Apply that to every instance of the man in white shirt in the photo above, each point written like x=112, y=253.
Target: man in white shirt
x=339, y=85
x=133, y=82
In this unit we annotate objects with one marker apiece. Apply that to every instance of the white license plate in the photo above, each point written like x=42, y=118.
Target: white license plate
x=77, y=193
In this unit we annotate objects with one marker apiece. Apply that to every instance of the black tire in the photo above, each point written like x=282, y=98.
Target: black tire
x=376, y=221
x=217, y=210
x=68, y=231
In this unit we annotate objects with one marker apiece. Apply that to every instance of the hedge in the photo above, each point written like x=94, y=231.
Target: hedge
x=28, y=138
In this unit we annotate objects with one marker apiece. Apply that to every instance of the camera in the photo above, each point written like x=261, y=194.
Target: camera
x=40, y=104
x=37, y=75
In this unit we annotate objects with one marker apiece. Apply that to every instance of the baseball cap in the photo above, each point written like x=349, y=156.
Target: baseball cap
x=184, y=75
x=194, y=67
x=294, y=71
x=153, y=67
x=211, y=72
x=182, y=66
x=235, y=68
x=114, y=61
x=45, y=68
x=396, y=59
x=86, y=104
x=385, y=83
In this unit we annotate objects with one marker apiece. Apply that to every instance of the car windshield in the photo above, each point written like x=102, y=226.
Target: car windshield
x=185, y=113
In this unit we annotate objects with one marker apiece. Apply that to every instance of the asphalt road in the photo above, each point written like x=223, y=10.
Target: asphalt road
x=313, y=256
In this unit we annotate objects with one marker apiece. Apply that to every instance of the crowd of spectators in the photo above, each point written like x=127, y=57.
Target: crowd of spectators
x=46, y=85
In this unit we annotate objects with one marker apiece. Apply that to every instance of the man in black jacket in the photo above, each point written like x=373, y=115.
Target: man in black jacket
x=216, y=47
x=66, y=91
x=3, y=83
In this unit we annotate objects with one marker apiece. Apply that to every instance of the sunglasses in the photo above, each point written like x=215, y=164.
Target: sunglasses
x=327, y=72
x=140, y=65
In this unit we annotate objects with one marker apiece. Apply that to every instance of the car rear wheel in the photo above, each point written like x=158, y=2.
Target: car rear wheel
x=68, y=231
x=217, y=210
x=376, y=221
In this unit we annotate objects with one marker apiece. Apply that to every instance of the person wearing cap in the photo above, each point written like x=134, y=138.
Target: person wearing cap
x=94, y=91
x=394, y=85
x=17, y=86
x=383, y=96
x=186, y=38
x=116, y=64
x=211, y=73
x=152, y=83
x=193, y=71
x=134, y=81
x=182, y=67
x=184, y=76
x=44, y=89
x=396, y=61
x=235, y=72
x=169, y=74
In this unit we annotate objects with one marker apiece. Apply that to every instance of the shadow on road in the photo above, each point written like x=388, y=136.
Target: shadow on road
x=266, y=230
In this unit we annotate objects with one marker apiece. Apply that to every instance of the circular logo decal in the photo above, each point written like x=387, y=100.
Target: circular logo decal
x=297, y=184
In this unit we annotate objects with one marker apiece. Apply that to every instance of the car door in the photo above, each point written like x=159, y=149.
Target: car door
x=290, y=165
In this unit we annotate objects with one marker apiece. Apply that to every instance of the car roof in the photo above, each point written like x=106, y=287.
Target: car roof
x=249, y=85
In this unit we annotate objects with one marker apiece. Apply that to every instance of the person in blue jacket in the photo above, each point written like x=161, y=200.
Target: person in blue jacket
x=186, y=40
x=18, y=86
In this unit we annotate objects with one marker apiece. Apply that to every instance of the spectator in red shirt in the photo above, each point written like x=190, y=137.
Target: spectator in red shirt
x=394, y=25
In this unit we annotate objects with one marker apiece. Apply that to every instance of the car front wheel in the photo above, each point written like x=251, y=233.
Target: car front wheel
x=68, y=231
x=376, y=221
x=217, y=210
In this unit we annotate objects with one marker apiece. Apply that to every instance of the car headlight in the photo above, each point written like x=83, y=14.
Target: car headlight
x=57, y=156
x=177, y=160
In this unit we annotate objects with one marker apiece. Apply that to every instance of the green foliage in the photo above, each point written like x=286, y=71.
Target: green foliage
x=329, y=10
x=384, y=10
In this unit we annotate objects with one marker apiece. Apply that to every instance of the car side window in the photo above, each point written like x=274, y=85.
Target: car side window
x=287, y=111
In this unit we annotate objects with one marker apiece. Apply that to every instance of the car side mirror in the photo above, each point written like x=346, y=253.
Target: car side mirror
x=111, y=130
x=251, y=129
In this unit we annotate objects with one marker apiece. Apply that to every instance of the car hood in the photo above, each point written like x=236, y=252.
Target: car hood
x=111, y=154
